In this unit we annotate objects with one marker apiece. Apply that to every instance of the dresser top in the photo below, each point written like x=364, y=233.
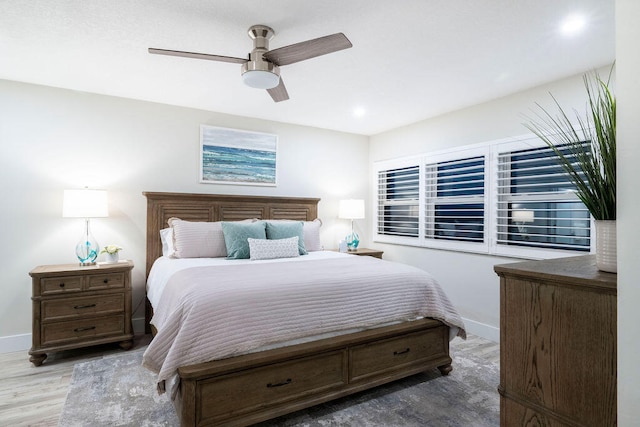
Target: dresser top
x=579, y=270
x=78, y=269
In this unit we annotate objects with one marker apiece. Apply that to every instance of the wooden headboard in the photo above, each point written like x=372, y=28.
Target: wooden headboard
x=217, y=207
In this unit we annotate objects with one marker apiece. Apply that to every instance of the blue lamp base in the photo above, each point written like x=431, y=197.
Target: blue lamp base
x=87, y=248
x=353, y=240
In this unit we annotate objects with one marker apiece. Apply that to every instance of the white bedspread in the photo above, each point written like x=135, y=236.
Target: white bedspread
x=207, y=313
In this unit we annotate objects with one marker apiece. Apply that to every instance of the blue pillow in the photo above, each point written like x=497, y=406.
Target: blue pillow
x=236, y=237
x=286, y=229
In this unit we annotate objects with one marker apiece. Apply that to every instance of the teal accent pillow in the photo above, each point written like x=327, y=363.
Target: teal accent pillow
x=236, y=237
x=285, y=229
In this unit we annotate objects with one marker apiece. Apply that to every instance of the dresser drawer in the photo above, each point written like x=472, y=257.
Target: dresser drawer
x=58, y=285
x=68, y=308
x=387, y=355
x=105, y=281
x=81, y=329
x=247, y=391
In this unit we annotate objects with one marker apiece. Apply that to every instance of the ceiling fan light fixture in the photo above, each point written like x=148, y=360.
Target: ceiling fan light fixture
x=260, y=74
x=260, y=79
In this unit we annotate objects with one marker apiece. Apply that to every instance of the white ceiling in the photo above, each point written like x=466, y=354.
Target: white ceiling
x=411, y=59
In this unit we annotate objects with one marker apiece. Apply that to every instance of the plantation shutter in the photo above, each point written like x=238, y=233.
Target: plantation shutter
x=454, y=199
x=537, y=205
x=398, y=204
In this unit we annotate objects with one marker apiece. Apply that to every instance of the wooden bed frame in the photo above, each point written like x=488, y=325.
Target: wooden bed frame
x=247, y=389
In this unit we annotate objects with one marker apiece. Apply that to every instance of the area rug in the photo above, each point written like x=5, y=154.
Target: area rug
x=118, y=391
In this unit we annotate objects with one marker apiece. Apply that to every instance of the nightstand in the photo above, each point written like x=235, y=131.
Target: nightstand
x=78, y=306
x=367, y=252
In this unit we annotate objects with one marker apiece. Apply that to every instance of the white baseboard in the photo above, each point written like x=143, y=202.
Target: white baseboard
x=138, y=325
x=489, y=332
x=15, y=343
x=23, y=342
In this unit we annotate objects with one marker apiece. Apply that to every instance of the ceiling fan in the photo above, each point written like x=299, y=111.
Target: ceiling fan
x=262, y=68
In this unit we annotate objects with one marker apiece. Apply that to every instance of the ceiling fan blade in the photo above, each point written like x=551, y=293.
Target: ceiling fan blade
x=279, y=93
x=195, y=55
x=309, y=49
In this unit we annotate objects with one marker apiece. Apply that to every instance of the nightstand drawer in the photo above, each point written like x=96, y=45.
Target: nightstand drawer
x=383, y=356
x=105, y=281
x=68, y=308
x=58, y=285
x=81, y=329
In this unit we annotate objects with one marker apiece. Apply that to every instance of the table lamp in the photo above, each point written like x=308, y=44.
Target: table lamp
x=352, y=209
x=85, y=204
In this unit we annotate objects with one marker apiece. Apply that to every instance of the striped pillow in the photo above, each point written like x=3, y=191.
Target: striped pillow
x=198, y=239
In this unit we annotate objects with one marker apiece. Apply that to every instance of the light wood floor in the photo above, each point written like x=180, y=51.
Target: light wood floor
x=31, y=396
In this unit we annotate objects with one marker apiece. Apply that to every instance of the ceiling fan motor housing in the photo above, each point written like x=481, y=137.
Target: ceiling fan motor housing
x=257, y=72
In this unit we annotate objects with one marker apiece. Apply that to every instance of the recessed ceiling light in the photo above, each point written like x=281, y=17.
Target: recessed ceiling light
x=573, y=25
x=359, y=112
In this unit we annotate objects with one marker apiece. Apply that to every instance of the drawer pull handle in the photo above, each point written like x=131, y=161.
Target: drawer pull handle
x=288, y=381
x=88, y=328
x=398, y=353
x=77, y=307
x=62, y=285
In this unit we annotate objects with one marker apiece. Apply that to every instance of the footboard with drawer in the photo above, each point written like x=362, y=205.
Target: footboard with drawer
x=251, y=388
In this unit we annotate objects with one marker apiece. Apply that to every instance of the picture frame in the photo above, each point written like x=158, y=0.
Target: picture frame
x=233, y=156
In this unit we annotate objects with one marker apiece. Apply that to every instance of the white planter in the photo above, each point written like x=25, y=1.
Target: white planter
x=606, y=246
x=111, y=258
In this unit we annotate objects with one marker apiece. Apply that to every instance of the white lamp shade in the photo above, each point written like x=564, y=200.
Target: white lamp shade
x=85, y=204
x=351, y=209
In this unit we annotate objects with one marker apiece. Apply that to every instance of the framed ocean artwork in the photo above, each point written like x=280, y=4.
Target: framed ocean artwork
x=231, y=156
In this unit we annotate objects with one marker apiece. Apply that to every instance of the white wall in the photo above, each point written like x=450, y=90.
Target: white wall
x=627, y=66
x=469, y=279
x=54, y=139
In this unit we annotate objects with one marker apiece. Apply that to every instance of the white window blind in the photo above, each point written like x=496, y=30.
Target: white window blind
x=398, y=202
x=537, y=206
x=508, y=197
x=454, y=199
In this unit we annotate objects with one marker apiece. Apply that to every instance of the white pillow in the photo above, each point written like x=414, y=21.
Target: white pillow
x=166, y=237
x=311, y=232
x=192, y=239
x=197, y=239
x=270, y=249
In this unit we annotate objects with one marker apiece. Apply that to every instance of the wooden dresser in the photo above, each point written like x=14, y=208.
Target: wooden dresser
x=76, y=306
x=557, y=343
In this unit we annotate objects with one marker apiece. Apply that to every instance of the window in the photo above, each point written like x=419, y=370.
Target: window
x=398, y=201
x=537, y=205
x=507, y=198
x=455, y=199
x=436, y=201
